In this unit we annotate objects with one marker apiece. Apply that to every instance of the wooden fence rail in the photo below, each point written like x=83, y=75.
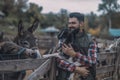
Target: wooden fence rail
x=21, y=64
x=104, y=72
x=105, y=69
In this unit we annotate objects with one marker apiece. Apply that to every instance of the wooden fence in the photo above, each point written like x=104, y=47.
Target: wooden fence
x=107, y=69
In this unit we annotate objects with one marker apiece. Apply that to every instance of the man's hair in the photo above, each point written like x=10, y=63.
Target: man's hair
x=77, y=15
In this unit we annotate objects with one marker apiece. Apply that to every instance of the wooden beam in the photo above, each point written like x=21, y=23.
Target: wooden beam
x=105, y=69
x=108, y=78
x=104, y=55
x=40, y=71
x=21, y=64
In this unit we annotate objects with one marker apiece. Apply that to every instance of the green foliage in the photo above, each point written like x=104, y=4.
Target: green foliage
x=20, y=9
x=116, y=20
x=93, y=21
x=58, y=20
x=1, y=4
x=34, y=11
x=108, y=6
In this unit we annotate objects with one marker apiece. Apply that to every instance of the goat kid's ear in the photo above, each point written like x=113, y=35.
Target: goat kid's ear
x=20, y=28
x=34, y=26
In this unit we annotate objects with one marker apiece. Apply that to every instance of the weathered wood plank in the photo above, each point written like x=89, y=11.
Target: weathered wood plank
x=22, y=64
x=116, y=73
x=108, y=78
x=40, y=71
x=104, y=55
x=105, y=69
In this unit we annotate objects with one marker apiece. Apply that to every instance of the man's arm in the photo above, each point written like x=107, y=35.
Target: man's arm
x=91, y=58
x=65, y=65
x=83, y=59
x=71, y=67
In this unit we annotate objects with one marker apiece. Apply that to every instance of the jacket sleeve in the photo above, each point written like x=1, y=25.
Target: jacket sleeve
x=90, y=59
x=65, y=65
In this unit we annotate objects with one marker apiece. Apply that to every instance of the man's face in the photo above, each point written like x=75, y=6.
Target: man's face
x=73, y=23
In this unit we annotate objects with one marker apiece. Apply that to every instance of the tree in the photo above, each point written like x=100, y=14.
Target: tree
x=1, y=4
x=58, y=20
x=92, y=20
x=109, y=7
x=50, y=19
x=20, y=7
x=34, y=11
x=63, y=16
x=8, y=6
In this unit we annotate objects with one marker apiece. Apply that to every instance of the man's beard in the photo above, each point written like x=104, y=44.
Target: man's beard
x=74, y=30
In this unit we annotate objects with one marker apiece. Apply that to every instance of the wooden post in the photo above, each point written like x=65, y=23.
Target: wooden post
x=52, y=74
x=116, y=72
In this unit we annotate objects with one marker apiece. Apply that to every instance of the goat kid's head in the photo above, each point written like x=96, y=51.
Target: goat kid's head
x=25, y=38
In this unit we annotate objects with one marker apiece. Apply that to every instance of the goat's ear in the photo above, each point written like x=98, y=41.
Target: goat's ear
x=34, y=26
x=20, y=28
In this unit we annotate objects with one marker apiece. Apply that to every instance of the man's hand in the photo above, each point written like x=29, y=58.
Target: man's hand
x=82, y=71
x=68, y=50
